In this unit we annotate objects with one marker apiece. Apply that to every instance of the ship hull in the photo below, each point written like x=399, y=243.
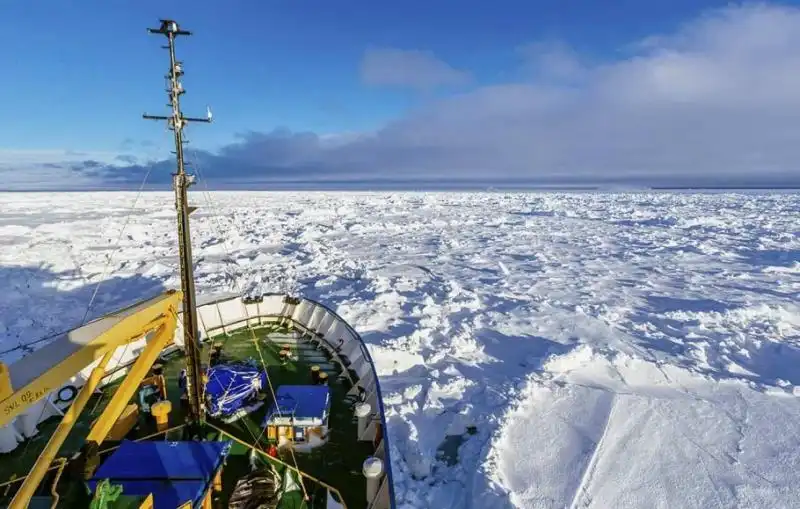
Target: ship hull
x=228, y=320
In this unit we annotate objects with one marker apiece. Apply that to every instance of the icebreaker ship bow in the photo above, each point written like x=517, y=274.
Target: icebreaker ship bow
x=181, y=401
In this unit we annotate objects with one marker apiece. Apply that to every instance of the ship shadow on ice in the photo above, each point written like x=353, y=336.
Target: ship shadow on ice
x=38, y=302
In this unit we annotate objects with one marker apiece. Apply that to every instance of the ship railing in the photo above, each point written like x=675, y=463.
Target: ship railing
x=229, y=313
x=382, y=498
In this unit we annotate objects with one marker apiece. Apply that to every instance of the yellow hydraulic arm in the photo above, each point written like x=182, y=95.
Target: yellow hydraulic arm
x=28, y=380
x=99, y=339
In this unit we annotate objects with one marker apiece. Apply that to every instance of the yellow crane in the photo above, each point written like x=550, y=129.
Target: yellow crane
x=25, y=382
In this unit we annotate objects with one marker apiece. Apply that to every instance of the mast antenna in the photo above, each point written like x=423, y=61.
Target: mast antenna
x=181, y=182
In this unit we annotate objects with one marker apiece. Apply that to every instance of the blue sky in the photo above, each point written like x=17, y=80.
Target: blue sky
x=354, y=90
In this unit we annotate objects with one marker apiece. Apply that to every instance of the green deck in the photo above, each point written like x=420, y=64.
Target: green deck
x=337, y=463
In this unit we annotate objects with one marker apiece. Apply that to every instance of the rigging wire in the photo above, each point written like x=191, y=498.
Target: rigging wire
x=207, y=196
x=257, y=439
x=116, y=248
x=103, y=275
x=215, y=214
x=94, y=294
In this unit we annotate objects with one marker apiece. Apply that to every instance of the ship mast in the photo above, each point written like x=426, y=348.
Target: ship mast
x=181, y=182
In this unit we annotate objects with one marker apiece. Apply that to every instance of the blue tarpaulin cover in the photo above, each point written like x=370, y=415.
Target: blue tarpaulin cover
x=174, y=472
x=301, y=402
x=231, y=386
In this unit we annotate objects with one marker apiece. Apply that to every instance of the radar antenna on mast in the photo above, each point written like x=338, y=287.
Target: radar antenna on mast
x=181, y=182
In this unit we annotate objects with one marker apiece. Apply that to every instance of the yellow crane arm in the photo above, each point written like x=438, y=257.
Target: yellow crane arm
x=155, y=319
x=25, y=382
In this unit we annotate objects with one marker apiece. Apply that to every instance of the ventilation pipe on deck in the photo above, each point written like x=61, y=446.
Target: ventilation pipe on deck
x=364, y=414
x=373, y=471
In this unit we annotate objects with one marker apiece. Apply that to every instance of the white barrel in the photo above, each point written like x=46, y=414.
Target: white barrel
x=373, y=471
x=363, y=412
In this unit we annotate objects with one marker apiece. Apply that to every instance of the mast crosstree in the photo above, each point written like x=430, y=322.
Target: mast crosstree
x=181, y=182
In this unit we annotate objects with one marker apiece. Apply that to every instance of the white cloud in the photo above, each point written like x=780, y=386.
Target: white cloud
x=408, y=68
x=9, y=156
x=552, y=60
x=717, y=102
x=52, y=169
x=737, y=58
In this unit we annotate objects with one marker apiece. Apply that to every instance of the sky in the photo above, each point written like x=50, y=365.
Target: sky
x=360, y=94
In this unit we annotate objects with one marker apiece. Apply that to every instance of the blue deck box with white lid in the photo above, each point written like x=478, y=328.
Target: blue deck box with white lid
x=297, y=410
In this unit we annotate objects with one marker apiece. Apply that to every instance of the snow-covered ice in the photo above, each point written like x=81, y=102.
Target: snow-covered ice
x=552, y=350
